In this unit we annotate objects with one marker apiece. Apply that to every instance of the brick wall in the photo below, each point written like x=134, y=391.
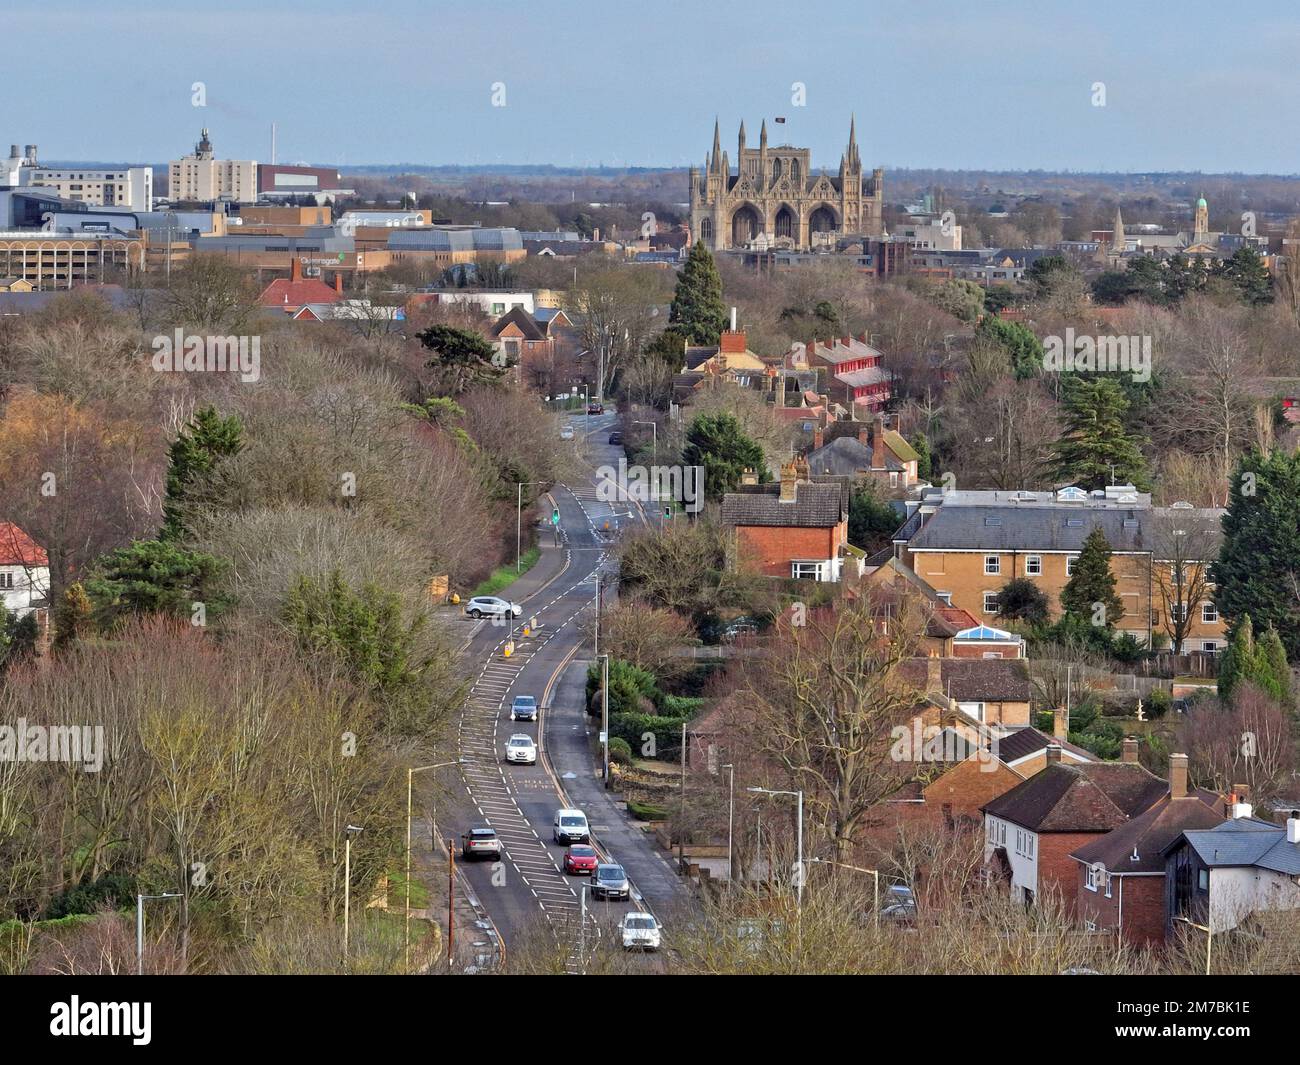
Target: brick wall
x=1057, y=871
x=771, y=549
x=1139, y=899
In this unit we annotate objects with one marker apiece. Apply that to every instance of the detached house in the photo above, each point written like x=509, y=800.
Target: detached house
x=880, y=455
x=852, y=369
x=796, y=528
x=24, y=572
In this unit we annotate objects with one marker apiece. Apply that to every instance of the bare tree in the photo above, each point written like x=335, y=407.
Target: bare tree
x=1184, y=542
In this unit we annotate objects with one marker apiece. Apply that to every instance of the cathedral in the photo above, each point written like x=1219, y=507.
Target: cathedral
x=774, y=200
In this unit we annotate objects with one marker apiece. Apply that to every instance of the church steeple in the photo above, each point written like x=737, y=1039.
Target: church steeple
x=1117, y=240
x=762, y=152
x=1201, y=225
x=716, y=157
x=740, y=154
x=854, y=160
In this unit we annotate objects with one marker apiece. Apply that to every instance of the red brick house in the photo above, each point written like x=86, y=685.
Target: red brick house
x=853, y=369
x=1121, y=876
x=796, y=528
x=1032, y=832
x=295, y=292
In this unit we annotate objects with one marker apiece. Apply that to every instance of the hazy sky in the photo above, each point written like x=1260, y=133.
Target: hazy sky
x=1192, y=85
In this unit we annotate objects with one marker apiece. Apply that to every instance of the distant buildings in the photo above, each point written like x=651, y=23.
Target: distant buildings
x=200, y=177
x=129, y=188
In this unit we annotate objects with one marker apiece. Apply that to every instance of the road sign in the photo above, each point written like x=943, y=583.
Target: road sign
x=555, y=516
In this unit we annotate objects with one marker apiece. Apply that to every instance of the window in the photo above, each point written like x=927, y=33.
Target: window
x=972, y=710
x=992, y=654
x=809, y=571
x=946, y=597
x=1203, y=880
x=1069, y=565
x=992, y=565
x=1033, y=565
x=1177, y=612
x=6, y=580
x=1209, y=613
x=990, y=602
x=1210, y=647
x=1024, y=843
x=1090, y=878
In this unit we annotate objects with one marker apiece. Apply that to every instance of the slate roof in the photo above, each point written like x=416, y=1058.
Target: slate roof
x=1244, y=841
x=816, y=506
x=973, y=680
x=522, y=320
x=1033, y=528
x=1095, y=797
x=1023, y=742
x=1150, y=833
x=842, y=457
x=870, y=375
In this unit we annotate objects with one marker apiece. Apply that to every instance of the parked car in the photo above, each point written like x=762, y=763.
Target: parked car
x=581, y=859
x=566, y=433
x=491, y=606
x=738, y=628
x=524, y=708
x=641, y=931
x=615, y=437
x=899, y=905
x=521, y=749
x=609, y=882
x=570, y=826
x=480, y=843
x=595, y=408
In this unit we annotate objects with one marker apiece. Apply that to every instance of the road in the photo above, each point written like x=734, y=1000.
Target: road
x=527, y=890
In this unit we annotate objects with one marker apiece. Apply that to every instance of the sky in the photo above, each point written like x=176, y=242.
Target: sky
x=1140, y=85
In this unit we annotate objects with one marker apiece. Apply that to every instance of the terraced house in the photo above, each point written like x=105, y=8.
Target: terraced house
x=968, y=544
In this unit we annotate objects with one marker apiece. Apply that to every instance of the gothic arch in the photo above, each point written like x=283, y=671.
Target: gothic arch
x=823, y=219
x=746, y=224
x=786, y=223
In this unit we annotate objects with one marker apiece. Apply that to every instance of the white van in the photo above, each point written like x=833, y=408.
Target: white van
x=570, y=826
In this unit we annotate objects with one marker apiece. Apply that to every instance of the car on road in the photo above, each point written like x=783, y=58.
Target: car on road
x=616, y=437
x=490, y=606
x=524, y=708
x=570, y=826
x=480, y=843
x=521, y=750
x=566, y=433
x=640, y=931
x=581, y=859
x=609, y=882
x=595, y=408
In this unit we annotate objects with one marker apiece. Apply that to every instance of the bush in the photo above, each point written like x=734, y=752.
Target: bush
x=116, y=889
x=644, y=811
x=639, y=729
x=620, y=751
x=1157, y=704
x=628, y=685
x=678, y=705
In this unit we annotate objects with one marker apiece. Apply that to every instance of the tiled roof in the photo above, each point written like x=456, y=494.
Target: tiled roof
x=1095, y=797
x=973, y=680
x=870, y=375
x=19, y=549
x=522, y=320
x=1246, y=841
x=816, y=506
x=844, y=456
x=1149, y=833
x=1029, y=528
x=1022, y=742
x=285, y=293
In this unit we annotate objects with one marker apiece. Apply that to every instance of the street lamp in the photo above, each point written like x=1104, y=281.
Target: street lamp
x=519, y=522
x=139, y=925
x=654, y=436
x=410, y=773
x=798, y=795
x=347, y=887
x=873, y=873
x=731, y=819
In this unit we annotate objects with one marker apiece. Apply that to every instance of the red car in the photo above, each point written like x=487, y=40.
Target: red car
x=595, y=408
x=580, y=859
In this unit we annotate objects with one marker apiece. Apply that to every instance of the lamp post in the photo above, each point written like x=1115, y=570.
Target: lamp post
x=519, y=522
x=874, y=874
x=731, y=820
x=139, y=926
x=797, y=795
x=347, y=887
x=410, y=774
x=654, y=452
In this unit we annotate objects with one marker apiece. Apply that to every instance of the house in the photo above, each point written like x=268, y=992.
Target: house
x=1219, y=876
x=880, y=455
x=24, y=572
x=16, y=284
x=796, y=528
x=293, y=293
x=968, y=544
x=730, y=360
x=988, y=691
x=853, y=370
x=1031, y=832
x=1121, y=887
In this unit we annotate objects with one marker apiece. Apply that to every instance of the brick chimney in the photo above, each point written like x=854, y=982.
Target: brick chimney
x=934, y=676
x=748, y=476
x=1129, y=755
x=1053, y=753
x=789, y=480
x=878, y=444
x=1060, y=723
x=819, y=437
x=1178, y=776
x=295, y=269
x=732, y=342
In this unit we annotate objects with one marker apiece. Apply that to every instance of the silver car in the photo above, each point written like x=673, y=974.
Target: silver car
x=521, y=749
x=609, y=882
x=491, y=606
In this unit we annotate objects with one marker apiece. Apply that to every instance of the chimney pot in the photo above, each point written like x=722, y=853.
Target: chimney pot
x=1178, y=776
x=1130, y=751
x=1053, y=753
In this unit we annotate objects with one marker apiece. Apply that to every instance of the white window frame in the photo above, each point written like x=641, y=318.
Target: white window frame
x=1209, y=613
x=796, y=564
x=1090, y=878
x=995, y=562
x=994, y=609
x=1033, y=565
x=1070, y=560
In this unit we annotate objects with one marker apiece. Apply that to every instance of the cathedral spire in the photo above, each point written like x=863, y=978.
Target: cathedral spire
x=762, y=135
x=717, y=144
x=853, y=158
x=1117, y=240
x=741, y=152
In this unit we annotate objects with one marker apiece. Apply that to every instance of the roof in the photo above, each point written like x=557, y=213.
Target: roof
x=842, y=457
x=1148, y=834
x=900, y=447
x=522, y=320
x=869, y=375
x=815, y=506
x=1021, y=743
x=1027, y=528
x=283, y=292
x=973, y=680
x=1093, y=797
x=19, y=549
x=1244, y=841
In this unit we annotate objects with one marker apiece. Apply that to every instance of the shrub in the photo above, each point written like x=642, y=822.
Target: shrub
x=620, y=751
x=644, y=811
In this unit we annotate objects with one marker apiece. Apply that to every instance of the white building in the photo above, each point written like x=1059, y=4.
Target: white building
x=201, y=177
x=934, y=235
x=129, y=188
x=24, y=571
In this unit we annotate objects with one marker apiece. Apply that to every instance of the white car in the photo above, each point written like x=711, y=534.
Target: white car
x=490, y=606
x=521, y=749
x=640, y=931
x=566, y=433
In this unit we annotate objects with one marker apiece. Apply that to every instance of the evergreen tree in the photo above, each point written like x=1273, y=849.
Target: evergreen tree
x=1275, y=677
x=72, y=615
x=872, y=521
x=463, y=358
x=1259, y=558
x=1090, y=593
x=204, y=442
x=1024, y=349
x=1095, y=449
x=1237, y=663
x=154, y=576
x=1246, y=272
x=924, y=457
x=717, y=442
x=697, y=309
x=1022, y=600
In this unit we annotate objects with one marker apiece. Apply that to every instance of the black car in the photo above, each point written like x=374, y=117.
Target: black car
x=595, y=408
x=615, y=438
